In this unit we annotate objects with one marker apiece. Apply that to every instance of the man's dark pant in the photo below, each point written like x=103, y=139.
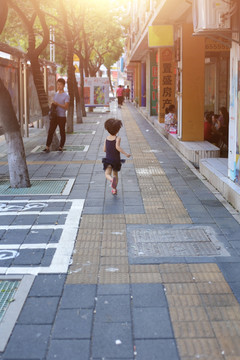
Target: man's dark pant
x=61, y=122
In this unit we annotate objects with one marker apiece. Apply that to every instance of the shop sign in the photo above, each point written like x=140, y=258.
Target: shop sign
x=160, y=35
x=166, y=80
x=237, y=175
x=216, y=46
x=154, y=85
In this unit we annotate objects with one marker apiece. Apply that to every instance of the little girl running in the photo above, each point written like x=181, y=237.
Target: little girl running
x=112, y=162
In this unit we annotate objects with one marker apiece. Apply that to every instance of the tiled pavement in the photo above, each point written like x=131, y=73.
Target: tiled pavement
x=155, y=270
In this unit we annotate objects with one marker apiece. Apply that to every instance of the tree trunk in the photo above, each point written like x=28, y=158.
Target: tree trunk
x=70, y=67
x=71, y=80
x=86, y=70
x=82, y=87
x=109, y=77
x=78, y=102
x=18, y=171
x=42, y=97
x=33, y=54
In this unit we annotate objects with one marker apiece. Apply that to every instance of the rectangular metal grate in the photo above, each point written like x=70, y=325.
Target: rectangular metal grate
x=37, y=187
x=7, y=292
x=163, y=241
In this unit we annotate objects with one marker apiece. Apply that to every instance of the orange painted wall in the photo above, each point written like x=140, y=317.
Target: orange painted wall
x=139, y=95
x=193, y=50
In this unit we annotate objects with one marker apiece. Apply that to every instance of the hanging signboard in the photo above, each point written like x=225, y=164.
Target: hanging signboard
x=216, y=46
x=166, y=80
x=154, y=84
x=160, y=36
x=96, y=91
x=237, y=172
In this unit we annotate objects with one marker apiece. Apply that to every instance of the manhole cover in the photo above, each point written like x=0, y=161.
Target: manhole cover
x=7, y=291
x=166, y=241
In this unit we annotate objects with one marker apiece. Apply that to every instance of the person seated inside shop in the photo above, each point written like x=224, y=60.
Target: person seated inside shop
x=216, y=128
x=170, y=119
x=208, y=126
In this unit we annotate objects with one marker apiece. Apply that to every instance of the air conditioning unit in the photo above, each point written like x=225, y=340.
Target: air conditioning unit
x=211, y=15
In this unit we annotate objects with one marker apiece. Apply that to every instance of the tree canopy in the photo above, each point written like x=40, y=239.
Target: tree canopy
x=97, y=28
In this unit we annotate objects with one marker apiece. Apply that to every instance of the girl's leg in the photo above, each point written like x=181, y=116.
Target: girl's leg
x=108, y=173
x=115, y=174
x=114, y=182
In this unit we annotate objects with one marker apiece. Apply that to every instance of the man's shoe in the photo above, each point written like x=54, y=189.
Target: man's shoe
x=60, y=149
x=46, y=150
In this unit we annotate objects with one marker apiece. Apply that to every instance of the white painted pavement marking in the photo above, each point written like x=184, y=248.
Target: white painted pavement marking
x=5, y=207
x=8, y=254
x=68, y=187
x=33, y=213
x=33, y=227
x=27, y=246
x=64, y=247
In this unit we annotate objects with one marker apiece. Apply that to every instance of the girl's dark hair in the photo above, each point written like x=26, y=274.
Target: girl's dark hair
x=113, y=126
x=61, y=80
x=169, y=109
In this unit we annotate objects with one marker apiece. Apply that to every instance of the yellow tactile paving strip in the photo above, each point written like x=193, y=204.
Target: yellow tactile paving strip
x=205, y=314
x=161, y=203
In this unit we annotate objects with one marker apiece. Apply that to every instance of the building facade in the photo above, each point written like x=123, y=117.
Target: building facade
x=187, y=53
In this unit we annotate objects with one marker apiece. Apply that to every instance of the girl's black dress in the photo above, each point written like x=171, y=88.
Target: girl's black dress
x=112, y=156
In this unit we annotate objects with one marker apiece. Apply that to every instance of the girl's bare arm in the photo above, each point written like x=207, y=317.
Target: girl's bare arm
x=118, y=147
x=104, y=146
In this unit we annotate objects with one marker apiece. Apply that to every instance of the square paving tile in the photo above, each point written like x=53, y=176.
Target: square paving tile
x=145, y=278
x=48, y=285
x=151, y=349
x=152, y=323
x=28, y=342
x=113, y=289
x=181, y=289
x=69, y=349
x=86, y=278
x=193, y=329
x=230, y=271
x=188, y=314
x=148, y=295
x=112, y=340
x=33, y=313
x=113, y=278
x=73, y=324
x=78, y=296
x=112, y=308
x=203, y=348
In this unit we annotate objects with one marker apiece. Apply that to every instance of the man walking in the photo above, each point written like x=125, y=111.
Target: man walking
x=61, y=101
x=120, y=95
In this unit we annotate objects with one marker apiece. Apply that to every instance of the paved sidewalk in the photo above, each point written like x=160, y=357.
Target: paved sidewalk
x=149, y=274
